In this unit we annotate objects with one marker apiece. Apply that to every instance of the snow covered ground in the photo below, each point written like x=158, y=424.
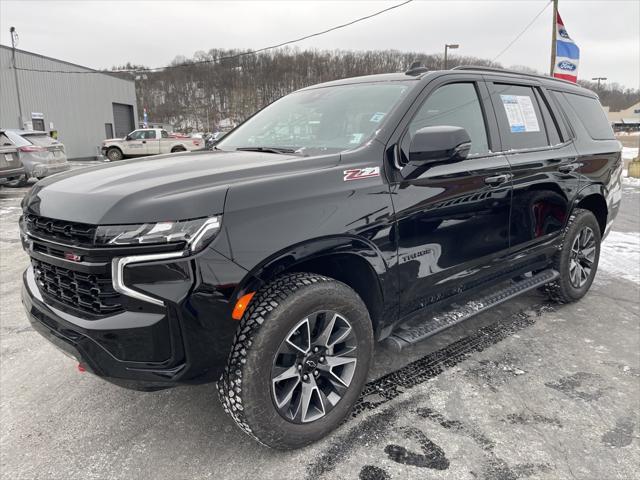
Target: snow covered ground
x=620, y=255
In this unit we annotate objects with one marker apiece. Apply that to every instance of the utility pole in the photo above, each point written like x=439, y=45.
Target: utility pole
x=599, y=79
x=14, y=36
x=554, y=29
x=447, y=47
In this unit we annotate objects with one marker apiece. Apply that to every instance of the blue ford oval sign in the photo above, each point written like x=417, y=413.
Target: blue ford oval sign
x=568, y=66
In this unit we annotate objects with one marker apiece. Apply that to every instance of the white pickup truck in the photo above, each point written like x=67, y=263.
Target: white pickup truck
x=148, y=141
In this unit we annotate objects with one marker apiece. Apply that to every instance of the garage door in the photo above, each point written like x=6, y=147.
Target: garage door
x=122, y=119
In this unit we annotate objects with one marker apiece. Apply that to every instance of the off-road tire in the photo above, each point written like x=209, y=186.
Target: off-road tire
x=245, y=386
x=114, y=154
x=562, y=290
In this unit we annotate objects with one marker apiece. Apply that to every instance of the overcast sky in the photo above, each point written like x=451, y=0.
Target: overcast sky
x=105, y=33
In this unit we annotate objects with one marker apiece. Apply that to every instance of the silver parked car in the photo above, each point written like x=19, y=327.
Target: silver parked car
x=40, y=154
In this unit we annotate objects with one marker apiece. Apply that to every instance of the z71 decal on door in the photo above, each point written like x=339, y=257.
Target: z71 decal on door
x=360, y=173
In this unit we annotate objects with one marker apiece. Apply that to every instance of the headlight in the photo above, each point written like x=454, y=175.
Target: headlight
x=196, y=233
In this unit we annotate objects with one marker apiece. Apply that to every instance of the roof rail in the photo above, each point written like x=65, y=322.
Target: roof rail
x=513, y=72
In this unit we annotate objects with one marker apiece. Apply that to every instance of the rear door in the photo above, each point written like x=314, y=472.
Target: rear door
x=543, y=159
x=152, y=144
x=453, y=220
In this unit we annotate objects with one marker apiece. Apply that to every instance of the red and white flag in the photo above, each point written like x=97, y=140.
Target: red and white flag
x=567, y=54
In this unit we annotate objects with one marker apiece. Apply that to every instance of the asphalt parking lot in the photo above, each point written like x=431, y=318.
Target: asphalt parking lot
x=530, y=390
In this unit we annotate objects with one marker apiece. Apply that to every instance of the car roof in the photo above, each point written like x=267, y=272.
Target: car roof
x=420, y=73
x=381, y=77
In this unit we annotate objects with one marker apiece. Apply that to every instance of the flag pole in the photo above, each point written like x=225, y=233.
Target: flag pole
x=554, y=29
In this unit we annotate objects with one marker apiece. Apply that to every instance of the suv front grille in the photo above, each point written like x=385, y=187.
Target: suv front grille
x=60, y=230
x=90, y=293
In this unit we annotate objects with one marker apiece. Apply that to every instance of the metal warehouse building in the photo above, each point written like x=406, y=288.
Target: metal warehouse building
x=84, y=108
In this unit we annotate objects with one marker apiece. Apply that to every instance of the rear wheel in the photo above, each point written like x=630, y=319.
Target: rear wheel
x=114, y=154
x=299, y=360
x=577, y=261
x=178, y=149
x=21, y=181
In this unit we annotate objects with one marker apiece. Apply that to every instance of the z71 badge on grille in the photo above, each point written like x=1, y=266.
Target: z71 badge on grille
x=360, y=173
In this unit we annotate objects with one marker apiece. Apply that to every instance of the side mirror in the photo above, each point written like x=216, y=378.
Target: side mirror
x=441, y=144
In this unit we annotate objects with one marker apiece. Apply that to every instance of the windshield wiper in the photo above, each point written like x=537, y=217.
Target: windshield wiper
x=267, y=149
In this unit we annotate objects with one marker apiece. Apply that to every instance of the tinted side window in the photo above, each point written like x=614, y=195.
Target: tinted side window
x=519, y=117
x=150, y=134
x=456, y=104
x=590, y=113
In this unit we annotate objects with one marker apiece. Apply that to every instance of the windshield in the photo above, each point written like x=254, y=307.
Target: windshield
x=329, y=119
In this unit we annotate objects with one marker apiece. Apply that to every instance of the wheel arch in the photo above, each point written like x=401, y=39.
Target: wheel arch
x=115, y=147
x=179, y=148
x=592, y=198
x=350, y=260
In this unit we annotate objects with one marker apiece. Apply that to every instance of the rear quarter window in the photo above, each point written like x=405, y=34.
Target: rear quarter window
x=591, y=115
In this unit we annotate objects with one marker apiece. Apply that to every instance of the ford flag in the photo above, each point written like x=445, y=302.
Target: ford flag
x=567, y=54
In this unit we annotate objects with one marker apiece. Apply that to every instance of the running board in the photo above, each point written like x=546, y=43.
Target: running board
x=413, y=332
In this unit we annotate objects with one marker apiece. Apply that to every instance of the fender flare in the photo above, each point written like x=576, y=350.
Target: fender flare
x=599, y=190
x=293, y=255
x=587, y=190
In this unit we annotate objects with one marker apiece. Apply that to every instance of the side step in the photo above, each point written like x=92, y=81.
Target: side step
x=414, y=332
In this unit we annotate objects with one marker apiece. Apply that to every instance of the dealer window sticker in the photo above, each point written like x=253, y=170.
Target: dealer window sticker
x=376, y=117
x=520, y=113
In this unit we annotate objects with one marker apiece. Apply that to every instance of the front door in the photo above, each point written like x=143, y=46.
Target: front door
x=135, y=143
x=453, y=220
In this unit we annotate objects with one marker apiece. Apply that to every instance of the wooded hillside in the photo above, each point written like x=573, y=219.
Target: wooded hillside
x=204, y=96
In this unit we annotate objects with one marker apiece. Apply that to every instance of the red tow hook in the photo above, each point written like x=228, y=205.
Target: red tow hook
x=81, y=368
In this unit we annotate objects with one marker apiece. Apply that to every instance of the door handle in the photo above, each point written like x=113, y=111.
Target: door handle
x=497, y=180
x=570, y=167
x=144, y=141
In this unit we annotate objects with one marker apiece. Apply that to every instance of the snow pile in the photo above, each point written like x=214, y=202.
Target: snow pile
x=629, y=153
x=620, y=255
x=628, y=181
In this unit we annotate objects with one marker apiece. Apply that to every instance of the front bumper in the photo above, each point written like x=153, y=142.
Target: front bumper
x=186, y=341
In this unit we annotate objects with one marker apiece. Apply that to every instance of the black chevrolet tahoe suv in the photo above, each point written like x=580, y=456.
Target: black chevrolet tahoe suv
x=380, y=208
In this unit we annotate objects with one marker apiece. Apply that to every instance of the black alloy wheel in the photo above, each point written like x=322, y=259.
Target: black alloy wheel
x=314, y=366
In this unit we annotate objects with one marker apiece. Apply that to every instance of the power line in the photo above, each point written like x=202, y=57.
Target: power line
x=230, y=57
x=522, y=32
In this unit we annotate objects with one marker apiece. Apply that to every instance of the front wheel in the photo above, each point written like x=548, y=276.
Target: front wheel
x=114, y=154
x=299, y=361
x=577, y=260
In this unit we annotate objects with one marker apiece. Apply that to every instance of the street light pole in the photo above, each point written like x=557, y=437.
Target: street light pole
x=447, y=46
x=14, y=35
x=599, y=79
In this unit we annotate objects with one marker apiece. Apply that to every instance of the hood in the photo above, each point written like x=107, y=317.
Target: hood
x=161, y=188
